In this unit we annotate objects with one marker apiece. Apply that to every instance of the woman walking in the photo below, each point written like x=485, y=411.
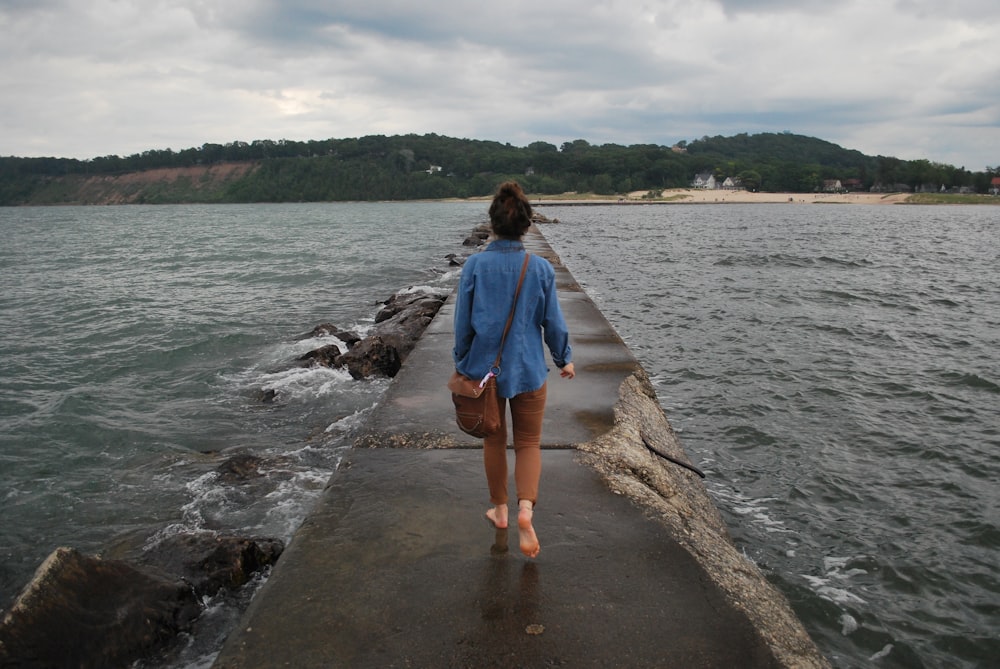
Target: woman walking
x=484, y=298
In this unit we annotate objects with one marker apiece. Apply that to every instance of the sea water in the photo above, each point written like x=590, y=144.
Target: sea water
x=136, y=344
x=836, y=372
x=833, y=369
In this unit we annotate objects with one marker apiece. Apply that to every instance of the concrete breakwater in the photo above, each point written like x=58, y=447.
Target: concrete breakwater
x=395, y=566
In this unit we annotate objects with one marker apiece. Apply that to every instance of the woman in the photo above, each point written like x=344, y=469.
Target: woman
x=484, y=298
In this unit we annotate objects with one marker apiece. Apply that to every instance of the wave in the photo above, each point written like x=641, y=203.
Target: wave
x=969, y=380
x=789, y=260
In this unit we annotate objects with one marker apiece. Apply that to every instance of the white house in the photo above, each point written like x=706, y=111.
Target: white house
x=704, y=180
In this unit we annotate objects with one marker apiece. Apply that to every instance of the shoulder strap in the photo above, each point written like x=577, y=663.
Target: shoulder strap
x=510, y=318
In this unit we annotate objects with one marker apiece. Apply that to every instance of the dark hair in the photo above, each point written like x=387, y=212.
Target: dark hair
x=510, y=212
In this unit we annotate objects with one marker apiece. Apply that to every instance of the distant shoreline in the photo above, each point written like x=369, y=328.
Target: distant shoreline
x=701, y=196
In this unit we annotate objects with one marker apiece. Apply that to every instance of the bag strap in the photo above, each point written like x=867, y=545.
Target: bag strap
x=510, y=318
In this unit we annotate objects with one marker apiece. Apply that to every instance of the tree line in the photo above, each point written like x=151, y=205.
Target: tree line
x=430, y=166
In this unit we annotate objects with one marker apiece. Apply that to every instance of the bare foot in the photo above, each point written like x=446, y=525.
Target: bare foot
x=526, y=533
x=498, y=516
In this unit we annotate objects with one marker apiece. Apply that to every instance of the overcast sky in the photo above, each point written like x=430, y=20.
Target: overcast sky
x=905, y=78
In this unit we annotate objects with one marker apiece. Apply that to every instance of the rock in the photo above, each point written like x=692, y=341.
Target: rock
x=454, y=260
x=85, y=611
x=413, y=305
x=399, y=324
x=329, y=329
x=376, y=355
x=210, y=563
x=327, y=356
x=82, y=611
x=478, y=236
x=240, y=468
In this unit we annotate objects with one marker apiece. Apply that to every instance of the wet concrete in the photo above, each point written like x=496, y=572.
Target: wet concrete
x=397, y=566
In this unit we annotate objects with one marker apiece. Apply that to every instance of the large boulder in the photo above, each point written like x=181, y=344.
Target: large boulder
x=210, y=563
x=376, y=356
x=82, y=611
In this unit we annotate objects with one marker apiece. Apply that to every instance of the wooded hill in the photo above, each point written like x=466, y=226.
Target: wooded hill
x=405, y=167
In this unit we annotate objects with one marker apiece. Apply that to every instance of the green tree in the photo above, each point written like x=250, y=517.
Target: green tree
x=750, y=180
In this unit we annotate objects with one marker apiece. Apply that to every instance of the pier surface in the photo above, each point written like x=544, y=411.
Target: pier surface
x=397, y=566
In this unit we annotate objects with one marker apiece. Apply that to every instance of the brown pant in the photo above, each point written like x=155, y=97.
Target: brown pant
x=526, y=411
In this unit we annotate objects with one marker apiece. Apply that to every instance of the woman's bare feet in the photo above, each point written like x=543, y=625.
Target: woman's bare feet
x=525, y=531
x=498, y=516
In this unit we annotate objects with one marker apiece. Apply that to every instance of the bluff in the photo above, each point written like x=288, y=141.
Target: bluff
x=411, y=167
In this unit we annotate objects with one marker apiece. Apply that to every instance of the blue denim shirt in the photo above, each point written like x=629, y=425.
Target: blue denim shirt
x=483, y=300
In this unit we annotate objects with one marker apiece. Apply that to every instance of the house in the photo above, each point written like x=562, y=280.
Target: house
x=731, y=183
x=995, y=186
x=705, y=180
x=832, y=186
x=433, y=169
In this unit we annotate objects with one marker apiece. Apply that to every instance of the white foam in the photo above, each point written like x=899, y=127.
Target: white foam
x=349, y=423
x=291, y=502
x=282, y=352
x=882, y=653
x=848, y=624
x=754, y=509
x=832, y=564
x=172, y=530
x=205, y=491
x=302, y=346
x=837, y=595
x=304, y=382
x=410, y=290
x=833, y=585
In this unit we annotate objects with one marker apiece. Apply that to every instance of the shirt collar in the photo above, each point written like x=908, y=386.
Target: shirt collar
x=506, y=245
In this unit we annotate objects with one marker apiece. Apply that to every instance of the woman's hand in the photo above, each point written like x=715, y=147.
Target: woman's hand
x=568, y=372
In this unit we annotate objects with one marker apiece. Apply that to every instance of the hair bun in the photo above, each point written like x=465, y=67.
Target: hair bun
x=510, y=212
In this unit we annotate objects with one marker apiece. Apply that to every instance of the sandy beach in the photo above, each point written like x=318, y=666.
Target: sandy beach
x=698, y=196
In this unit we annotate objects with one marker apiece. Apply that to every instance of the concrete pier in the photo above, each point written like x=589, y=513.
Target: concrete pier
x=397, y=566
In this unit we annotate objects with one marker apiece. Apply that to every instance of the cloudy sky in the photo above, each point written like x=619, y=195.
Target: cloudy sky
x=905, y=78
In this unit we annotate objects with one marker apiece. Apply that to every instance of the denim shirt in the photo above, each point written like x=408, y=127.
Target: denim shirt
x=483, y=301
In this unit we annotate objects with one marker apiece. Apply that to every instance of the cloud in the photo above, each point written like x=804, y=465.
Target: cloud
x=94, y=77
